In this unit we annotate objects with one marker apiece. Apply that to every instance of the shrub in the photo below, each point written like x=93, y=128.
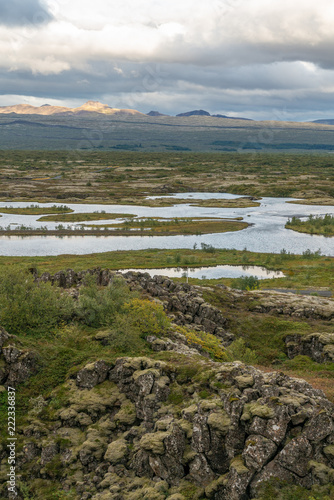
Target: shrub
x=246, y=283
x=27, y=306
x=98, y=306
x=149, y=317
x=239, y=351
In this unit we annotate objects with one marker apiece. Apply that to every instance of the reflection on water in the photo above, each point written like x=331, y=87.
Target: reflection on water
x=211, y=272
x=267, y=233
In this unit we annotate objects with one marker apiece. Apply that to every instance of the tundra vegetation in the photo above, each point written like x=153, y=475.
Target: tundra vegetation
x=128, y=177
x=313, y=225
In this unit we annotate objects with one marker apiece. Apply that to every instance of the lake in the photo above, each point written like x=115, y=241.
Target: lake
x=266, y=234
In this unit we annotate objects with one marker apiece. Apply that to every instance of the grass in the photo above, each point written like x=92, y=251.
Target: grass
x=81, y=217
x=36, y=210
x=128, y=177
x=176, y=226
x=310, y=271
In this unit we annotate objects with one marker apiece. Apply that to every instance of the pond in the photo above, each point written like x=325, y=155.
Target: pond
x=266, y=234
x=215, y=272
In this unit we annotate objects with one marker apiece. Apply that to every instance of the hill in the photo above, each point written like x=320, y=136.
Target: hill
x=115, y=401
x=48, y=110
x=98, y=126
x=324, y=122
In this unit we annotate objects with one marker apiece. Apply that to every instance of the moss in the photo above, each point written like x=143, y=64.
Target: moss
x=140, y=373
x=189, y=412
x=256, y=410
x=292, y=400
x=237, y=464
x=329, y=451
x=188, y=455
x=148, y=493
x=140, y=363
x=176, y=395
x=216, y=486
x=321, y=472
x=204, y=393
x=244, y=381
x=219, y=421
x=154, y=442
x=127, y=414
x=280, y=490
x=93, y=400
x=54, y=468
x=116, y=451
x=190, y=491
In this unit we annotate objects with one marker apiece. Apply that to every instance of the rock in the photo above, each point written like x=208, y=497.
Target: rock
x=93, y=374
x=258, y=451
x=20, y=365
x=296, y=455
x=318, y=346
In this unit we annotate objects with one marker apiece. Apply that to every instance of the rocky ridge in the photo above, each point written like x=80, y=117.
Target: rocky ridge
x=141, y=428
x=184, y=303
x=171, y=428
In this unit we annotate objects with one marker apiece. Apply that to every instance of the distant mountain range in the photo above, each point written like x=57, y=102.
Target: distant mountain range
x=95, y=107
x=98, y=126
x=47, y=110
x=201, y=112
x=324, y=122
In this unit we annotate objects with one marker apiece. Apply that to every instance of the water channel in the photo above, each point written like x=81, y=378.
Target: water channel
x=266, y=234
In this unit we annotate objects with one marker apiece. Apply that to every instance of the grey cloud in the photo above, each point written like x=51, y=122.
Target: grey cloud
x=284, y=91
x=23, y=13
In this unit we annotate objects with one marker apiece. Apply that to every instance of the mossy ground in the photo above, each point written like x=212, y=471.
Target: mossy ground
x=128, y=177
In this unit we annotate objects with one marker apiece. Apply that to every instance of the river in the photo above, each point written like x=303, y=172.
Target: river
x=266, y=234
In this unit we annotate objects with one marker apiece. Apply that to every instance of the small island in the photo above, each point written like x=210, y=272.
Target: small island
x=313, y=225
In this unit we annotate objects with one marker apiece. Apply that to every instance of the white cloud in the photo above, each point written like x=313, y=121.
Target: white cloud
x=217, y=52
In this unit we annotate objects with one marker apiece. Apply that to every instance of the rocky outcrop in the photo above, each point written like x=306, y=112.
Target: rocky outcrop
x=183, y=302
x=16, y=365
x=318, y=346
x=288, y=304
x=132, y=430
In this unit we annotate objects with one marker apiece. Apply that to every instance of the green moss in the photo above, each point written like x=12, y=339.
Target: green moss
x=116, y=451
x=219, y=421
x=329, y=451
x=127, y=414
x=154, y=442
x=252, y=410
x=237, y=464
x=216, y=486
x=280, y=490
x=176, y=395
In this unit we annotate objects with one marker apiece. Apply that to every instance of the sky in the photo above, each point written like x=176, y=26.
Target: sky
x=261, y=59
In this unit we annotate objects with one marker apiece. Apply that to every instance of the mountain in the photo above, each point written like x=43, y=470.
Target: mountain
x=324, y=122
x=199, y=112
x=155, y=113
x=48, y=110
x=232, y=117
x=58, y=127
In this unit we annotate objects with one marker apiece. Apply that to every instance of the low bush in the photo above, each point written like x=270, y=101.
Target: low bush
x=29, y=307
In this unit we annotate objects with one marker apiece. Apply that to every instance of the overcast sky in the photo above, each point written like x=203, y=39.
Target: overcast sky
x=262, y=59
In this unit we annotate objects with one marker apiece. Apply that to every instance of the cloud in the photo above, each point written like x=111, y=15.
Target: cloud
x=225, y=55
x=23, y=13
